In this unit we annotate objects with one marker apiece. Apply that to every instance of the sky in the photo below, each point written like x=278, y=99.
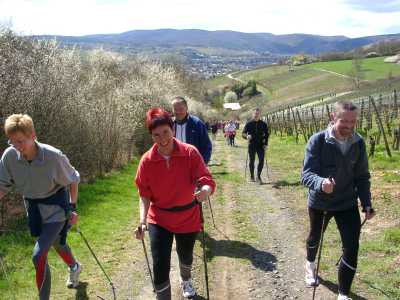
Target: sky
x=352, y=18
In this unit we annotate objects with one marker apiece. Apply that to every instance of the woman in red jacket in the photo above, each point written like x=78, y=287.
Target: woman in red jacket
x=172, y=179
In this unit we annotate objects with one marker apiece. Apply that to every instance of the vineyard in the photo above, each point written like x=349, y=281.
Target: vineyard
x=378, y=120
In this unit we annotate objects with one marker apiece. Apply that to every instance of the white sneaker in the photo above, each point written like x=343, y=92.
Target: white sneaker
x=188, y=289
x=310, y=274
x=73, y=280
x=343, y=297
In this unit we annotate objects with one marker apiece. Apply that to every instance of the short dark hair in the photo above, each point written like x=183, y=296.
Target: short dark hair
x=179, y=99
x=345, y=105
x=156, y=117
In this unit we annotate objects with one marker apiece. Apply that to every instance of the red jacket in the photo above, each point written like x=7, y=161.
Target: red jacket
x=172, y=183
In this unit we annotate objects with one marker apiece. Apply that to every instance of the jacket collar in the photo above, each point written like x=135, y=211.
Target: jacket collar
x=39, y=155
x=181, y=122
x=179, y=150
x=330, y=137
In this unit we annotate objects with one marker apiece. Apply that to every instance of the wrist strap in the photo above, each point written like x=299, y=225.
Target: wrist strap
x=72, y=206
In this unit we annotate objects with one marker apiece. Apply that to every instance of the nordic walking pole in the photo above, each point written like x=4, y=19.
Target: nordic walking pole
x=212, y=214
x=203, y=242
x=319, y=254
x=266, y=163
x=362, y=224
x=147, y=261
x=97, y=261
x=245, y=167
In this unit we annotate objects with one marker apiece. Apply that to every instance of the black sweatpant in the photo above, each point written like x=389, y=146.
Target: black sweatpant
x=260, y=150
x=349, y=225
x=232, y=140
x=161, y=246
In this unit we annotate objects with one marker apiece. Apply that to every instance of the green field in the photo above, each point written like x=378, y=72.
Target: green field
x=372, y=68
x=217, y=81
x=284, y=86
x=262, y=74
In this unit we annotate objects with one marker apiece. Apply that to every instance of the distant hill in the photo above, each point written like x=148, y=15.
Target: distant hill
x=223, y=39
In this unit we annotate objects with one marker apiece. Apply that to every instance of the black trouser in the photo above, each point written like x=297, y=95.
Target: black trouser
x=161, y=246
x=349, y=225
x=260, y=150
x=232, y=140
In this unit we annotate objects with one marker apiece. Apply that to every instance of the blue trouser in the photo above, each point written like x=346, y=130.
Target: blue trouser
x=260, y=150
x=50, y=236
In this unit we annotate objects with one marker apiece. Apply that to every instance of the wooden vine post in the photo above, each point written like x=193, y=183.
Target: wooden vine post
x=382, y=130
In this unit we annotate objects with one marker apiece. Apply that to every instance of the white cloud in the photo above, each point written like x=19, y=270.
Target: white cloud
x=76, y=17
x=375, y=6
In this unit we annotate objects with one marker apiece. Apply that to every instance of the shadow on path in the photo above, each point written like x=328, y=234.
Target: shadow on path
x=81, y=291
x=283, y=183
x=262, y=260
x=333, y=287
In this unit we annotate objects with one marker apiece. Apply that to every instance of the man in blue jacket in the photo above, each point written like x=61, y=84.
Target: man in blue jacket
x=190, y=129
x=336, y=172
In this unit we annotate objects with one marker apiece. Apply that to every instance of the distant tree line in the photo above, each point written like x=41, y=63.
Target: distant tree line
x=382, y=48
x=230, y=93
x=249, y=89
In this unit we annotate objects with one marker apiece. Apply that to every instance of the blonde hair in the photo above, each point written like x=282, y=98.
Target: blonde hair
x=19, y=123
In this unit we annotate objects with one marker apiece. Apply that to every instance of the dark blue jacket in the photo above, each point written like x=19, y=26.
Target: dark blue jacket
x=323, y=159
x=61, y=198
x=197, y=135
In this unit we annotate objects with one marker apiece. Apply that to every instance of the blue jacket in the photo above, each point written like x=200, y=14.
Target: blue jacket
x=197, y=135
x=324, y=159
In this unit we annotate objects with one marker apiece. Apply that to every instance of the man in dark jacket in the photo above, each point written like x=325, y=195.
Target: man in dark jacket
x=190, y=129
x=256, y=132
x=336, y=172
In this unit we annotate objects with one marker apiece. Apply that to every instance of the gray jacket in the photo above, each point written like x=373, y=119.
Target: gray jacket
x=324, y=159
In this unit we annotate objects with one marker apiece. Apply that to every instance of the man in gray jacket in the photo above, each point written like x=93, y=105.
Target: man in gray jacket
x=336, y=172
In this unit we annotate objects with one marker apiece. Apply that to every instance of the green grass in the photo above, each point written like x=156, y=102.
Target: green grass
x=385, y=249
x=221, y=173
x=381, y=161
x=372, y=68
x=107, y=209
x=218, y=80
x=261, y=74
x=286, y=156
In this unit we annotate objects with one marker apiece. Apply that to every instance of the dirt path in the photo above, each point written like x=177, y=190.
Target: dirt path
x=256, y=250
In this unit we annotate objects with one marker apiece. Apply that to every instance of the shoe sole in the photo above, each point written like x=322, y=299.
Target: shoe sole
x=72, y=286
x=312, y=285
